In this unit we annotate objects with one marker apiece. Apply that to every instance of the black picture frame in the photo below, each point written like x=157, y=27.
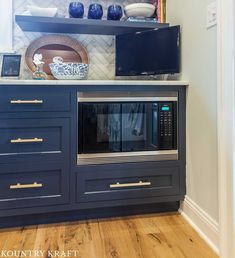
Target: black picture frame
x=11, y=66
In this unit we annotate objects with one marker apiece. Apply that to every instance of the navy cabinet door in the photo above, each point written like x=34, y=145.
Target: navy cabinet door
x=33, y=185
x=34, y=139
x=26, y=99
x=112, y=184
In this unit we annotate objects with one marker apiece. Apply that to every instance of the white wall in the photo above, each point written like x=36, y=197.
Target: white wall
x=6, y=26
x=199, y=67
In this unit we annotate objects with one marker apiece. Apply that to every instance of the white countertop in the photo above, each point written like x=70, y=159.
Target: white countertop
x=92, y=82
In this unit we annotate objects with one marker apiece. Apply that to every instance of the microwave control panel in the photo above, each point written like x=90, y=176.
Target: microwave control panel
x=166, y=125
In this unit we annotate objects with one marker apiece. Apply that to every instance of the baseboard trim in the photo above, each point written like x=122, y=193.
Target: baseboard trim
x=205, y=226
x=95, y=213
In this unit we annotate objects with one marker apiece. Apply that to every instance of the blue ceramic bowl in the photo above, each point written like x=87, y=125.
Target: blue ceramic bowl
x=114, y=12
x=95, y=11
x=76, y=10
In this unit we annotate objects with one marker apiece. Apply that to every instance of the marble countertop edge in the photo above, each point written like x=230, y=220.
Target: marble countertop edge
x=93, y=82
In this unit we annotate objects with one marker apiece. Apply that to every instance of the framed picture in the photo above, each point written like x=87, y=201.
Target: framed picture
x=11, y=65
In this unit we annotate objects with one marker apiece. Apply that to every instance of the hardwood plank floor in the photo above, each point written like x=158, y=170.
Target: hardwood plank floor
x=145, y=236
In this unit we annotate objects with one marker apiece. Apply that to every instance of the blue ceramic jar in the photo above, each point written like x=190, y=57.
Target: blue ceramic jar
x=95, y=11
x=76, y=10
x=114, y=12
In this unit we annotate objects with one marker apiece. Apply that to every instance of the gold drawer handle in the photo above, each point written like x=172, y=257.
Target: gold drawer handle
x=19, y=140
x=26, y=186
x=140, y=183
x=35, y=101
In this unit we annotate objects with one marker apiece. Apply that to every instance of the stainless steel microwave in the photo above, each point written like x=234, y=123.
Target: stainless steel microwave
x=116, y=127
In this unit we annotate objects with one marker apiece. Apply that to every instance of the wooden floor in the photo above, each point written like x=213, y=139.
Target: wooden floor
x=148, y=236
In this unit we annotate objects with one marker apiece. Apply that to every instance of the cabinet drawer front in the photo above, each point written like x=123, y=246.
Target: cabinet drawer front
x=111, y=185
x=22, y=138
x=27, y=100
x=29, y=187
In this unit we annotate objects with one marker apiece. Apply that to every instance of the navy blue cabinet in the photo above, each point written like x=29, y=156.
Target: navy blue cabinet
x=127, y=182
x=34, y=148
x=34, y=139
x=32, y=185
x=39, y=173
x=26, y=99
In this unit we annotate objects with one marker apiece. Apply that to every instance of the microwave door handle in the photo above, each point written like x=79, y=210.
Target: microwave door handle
x=154, y=127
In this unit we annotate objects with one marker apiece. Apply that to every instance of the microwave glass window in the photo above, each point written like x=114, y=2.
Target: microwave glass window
x=108, y=123
x=133, y=128
x=123, y=127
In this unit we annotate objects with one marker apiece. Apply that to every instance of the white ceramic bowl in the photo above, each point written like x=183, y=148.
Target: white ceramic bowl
x=142, y=10
x=38, y=11
x=69, y=71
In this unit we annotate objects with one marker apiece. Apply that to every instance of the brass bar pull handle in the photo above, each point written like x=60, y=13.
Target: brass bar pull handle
x=35, y=101
x=26, y=186
x=140, y=183
x=19, y=140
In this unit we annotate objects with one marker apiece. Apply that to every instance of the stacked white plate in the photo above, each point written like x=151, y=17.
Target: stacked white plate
x=38, y=11
x=140, y=10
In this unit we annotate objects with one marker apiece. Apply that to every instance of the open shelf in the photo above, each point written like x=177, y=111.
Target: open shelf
x=83, y=26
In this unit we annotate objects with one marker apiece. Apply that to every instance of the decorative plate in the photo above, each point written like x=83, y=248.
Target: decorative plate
x=55, y=45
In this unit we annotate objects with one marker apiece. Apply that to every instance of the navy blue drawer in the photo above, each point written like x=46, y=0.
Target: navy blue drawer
x=33, y=185
x=28, y=100
x=127, y=184
x=34, y=139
